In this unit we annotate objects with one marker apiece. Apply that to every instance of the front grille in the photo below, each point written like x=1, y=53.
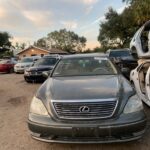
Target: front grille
x=36, y=72
x=85, y=110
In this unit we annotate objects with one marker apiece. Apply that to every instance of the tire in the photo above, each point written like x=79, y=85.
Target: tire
x=11, y=70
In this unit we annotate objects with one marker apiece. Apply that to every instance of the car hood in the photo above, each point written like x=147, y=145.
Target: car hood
x=77, y=88
x=24, y=64
x=40, y=68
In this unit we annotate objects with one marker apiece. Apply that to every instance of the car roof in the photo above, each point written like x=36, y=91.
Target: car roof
x=117, y=50
x=51, y=56
x=85, y=55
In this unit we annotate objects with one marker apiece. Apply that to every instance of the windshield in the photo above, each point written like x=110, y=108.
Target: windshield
x=119, y=54
x=5, y=61
x=24, y=60
x=84, y=67
x=46, y=62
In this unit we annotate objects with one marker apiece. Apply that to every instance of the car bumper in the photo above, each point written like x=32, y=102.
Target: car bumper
x=34, y=78
x=126, y=128
x=19, y=70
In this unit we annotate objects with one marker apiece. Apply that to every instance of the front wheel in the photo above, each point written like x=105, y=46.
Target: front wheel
x=11, y=70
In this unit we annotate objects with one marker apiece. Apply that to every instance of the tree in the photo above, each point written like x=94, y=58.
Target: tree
x=64, y=40
x=118, y=29
x=41, y=43
x=20, y=46
x=113, y=32
x=141, y=10
x=4, y=43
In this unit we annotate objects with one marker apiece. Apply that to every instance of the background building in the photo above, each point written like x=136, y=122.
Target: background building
x=36, y=51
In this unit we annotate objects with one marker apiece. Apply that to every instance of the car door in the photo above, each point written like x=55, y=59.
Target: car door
x=147, y=86
x=139, y=77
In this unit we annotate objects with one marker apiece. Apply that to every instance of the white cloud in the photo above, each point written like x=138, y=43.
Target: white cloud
x=39, y=18
x=69, y=24
x=89, y=2
x=88, y=9
x=100, y=19
x=86, y=2
x=121, y=9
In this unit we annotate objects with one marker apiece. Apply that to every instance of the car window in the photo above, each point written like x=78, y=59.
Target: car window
x=119, y=54
x=46, y=62
x=5, y=62
x=84, y=67
x=24, y=60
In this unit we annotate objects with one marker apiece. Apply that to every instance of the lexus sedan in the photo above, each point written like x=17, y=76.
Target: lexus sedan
x=34, y=73
x=86, y=100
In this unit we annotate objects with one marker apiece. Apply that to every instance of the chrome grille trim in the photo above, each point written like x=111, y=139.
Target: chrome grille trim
x=101, y=108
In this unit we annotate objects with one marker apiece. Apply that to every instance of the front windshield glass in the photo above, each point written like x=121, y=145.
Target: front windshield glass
x=120, y=54
x=24, y=60
x=84, y=66
x=46, y=62
x=5, y=61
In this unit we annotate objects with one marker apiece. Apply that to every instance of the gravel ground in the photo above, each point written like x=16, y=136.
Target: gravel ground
x=15, y=98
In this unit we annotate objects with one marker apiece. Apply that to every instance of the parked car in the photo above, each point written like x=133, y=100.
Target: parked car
x=24, y=63
x=123, y=59
x=86, y=100
x=34, y=73
x=140, y=43
x=7, y=65
x=140, y=78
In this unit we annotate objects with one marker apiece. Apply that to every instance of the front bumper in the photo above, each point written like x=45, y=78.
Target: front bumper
x=123, y=129
x=19, y=70
x=34, y=78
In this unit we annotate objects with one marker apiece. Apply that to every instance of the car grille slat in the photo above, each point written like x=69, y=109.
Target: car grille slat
x=72, y=110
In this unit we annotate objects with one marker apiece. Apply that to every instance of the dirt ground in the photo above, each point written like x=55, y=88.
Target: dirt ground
x=15, y=98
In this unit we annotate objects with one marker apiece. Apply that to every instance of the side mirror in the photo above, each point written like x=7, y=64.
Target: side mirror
x=46, y=74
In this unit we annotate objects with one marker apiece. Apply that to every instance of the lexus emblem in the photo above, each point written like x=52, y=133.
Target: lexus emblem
x=84, y=109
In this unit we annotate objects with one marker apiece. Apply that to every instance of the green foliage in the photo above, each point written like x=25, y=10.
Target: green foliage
x=5, y=39
x=20, y=46
x=118, y=29
x=5, y=44
x=41, y=43
x=64, y=40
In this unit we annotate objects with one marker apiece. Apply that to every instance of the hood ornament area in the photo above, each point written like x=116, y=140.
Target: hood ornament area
x=84, y=109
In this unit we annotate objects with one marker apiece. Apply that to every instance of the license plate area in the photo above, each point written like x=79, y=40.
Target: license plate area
x=85, y=131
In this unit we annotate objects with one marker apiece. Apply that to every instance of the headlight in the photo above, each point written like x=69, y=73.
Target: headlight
x=134, y=104
x=37, y=107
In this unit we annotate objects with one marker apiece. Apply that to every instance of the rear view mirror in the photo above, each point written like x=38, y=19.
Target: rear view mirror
x=46, y=74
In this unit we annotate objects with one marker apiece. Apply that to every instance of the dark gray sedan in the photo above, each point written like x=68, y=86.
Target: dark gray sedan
x=86, y=100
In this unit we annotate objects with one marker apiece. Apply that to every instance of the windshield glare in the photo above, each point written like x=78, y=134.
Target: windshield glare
x=5, y=61
x=120, y=54
x=46, y=62
x=24, y=60
x=84, y=67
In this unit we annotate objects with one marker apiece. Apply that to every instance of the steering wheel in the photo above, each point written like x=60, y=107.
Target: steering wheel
x=101, y=69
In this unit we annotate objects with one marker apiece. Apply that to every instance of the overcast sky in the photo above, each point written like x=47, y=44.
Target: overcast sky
x=29, y=20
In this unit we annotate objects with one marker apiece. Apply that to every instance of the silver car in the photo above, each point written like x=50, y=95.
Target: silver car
x=25, y=63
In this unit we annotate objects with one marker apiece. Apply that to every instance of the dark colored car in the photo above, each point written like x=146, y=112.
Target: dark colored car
x=34, y=73
x=123, y=59
x=85, y=100
x=7, y=66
